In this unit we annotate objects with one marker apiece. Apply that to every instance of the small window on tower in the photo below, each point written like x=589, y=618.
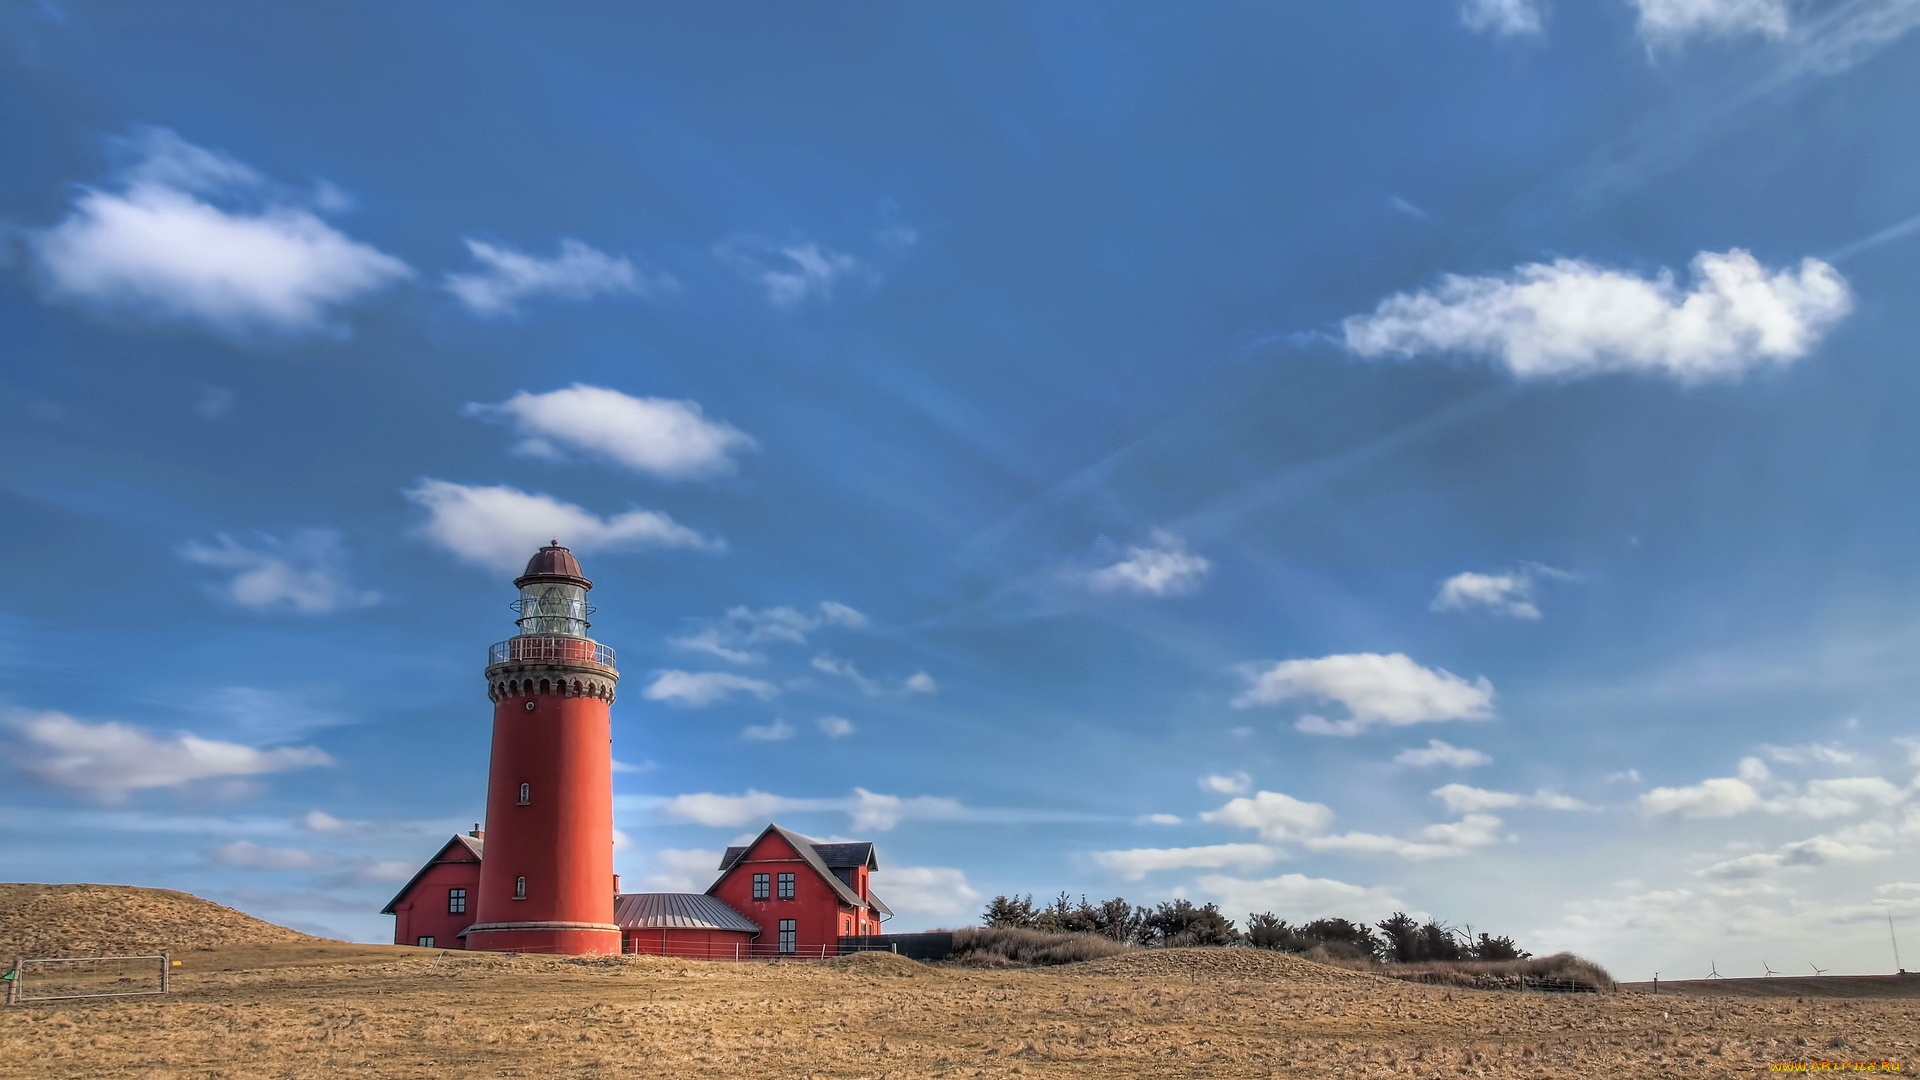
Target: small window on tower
x=519, y=888
x=786, y=886
x=526, y=794
x=456, y=901
x=762, y=886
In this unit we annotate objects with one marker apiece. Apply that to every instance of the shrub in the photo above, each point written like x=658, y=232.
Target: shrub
x=1007, y=946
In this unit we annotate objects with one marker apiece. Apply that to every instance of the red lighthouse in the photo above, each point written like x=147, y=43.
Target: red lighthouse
x=546, y=883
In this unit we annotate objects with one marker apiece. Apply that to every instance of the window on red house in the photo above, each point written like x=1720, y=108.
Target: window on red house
x=786, y=886
x=456, y=901
x=788, y=934
x=762, y=886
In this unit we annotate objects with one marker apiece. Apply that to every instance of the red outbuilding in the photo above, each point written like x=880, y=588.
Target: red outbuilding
x=435, y=908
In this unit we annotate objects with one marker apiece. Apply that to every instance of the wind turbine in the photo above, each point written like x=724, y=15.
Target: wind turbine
x=1713, y=970
x=1817, y=969
x=1770, y=972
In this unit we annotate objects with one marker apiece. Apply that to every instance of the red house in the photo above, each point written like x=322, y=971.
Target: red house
x=437, y=906
x=804, y=895
x=783, y=894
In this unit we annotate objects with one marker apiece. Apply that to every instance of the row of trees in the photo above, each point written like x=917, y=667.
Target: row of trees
x=1399, y=938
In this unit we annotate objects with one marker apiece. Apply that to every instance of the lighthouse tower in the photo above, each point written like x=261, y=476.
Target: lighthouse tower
x=546, y=883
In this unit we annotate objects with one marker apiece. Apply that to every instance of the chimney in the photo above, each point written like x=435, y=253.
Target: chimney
x=616, y=884
x=478, y=833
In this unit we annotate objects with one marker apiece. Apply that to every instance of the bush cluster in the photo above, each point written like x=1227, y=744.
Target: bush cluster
x=1397, y=939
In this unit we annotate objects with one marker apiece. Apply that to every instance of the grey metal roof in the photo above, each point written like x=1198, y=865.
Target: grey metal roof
x=878, y=905
x=677, y=910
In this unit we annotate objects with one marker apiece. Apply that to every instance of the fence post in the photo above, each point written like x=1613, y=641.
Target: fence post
x=13, y=984
x=896, y=948
x=165, y=974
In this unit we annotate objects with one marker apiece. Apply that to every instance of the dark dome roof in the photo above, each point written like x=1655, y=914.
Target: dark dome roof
x=553, y=563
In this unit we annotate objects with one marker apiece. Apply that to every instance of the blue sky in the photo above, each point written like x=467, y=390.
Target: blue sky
x=1329, y=459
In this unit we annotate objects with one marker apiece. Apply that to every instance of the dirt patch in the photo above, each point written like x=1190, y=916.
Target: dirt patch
x=105, y=920
x=1793, y=986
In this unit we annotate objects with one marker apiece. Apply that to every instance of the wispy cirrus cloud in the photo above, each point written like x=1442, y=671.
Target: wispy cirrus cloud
x=1163, y=567
x=304, y=573
x=1667, y=23
x=1437, y=752
x=1504, y=18
x=791, y=274
x=1571, y=318
x=187, y=235
x=738, y=635
x=659, y=437
x=698, y=689
x=505, y=277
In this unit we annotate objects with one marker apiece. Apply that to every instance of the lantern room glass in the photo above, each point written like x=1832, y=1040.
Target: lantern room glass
x=547, y=607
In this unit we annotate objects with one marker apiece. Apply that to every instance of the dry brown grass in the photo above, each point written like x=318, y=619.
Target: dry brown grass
x=1540, y=972
x=315, y=1010
x=102, y=920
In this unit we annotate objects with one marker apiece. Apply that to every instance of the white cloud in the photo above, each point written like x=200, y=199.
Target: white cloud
x=255, y=857
x=371, y=871
x=920, y=683
x=306, y=573
x=1237, y=783
x=1300, y=897
x=190, y=235
x=698, y=689
x=319, y=821
x=1841, y=797
x=1812, y=754
x=1440, y=753
x=836, y=727
x=1161, y=819
x=1164, y=569
x=1503, y=18
x=1571, y=318
x=499, y=527
x=109, y=760
x=1136, y=863
x=1461, y=799
x=731, y=811
x=1719, y=797
x=881, y=813
x=829, y=664
x=1277, y=817
x=1818, y=851
x=734, y=636
x=1442, y=841
x=1375, y=689
x=682, y=870
x=778, y=731
x=791, y=274
x=662, y=437
x=1509, y=592
x=577, y=272
x=1669, y=22
x=926, y=890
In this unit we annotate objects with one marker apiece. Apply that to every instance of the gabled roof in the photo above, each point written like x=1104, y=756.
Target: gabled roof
x=670, y=910
x=878, y=906
x=809, y=850
x=473, y=844
x=858, y=853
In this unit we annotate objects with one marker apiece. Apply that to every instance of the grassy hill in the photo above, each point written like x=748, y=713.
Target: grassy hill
x=115, y=920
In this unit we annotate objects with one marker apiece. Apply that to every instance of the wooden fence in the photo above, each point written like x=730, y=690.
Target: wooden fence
x=65, y=978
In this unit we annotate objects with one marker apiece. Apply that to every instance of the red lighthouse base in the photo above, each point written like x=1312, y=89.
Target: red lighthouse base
x=562, y=938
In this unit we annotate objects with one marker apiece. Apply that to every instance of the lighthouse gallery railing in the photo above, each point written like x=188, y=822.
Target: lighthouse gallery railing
x=553, y=649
